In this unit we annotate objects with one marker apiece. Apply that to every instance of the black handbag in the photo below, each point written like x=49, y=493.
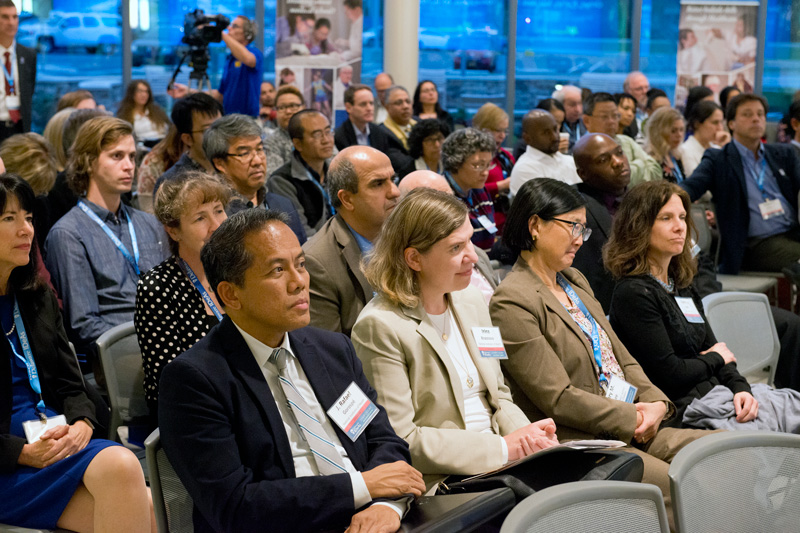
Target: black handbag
x=553, y=467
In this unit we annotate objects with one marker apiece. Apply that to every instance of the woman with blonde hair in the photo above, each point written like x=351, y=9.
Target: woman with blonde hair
x=665, y=133
x=416, y=337
x=494, y=120
x=54, y=133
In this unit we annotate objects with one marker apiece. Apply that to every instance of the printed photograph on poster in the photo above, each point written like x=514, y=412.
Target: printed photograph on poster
x=318, y=90
x=320, y=33
x=716, y=41
x=287, y=76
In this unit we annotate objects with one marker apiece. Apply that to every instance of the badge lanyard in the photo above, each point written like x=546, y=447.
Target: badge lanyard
x=33, y=374
x=328, y=205
x=199, y=286
x=134, y=261
x=594, y=333
x=760, y=178
x=676, y=171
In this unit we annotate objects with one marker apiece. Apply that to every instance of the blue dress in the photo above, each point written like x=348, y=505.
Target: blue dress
x=32, y=497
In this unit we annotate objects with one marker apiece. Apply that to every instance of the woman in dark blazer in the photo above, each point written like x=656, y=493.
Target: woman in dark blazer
x=555, y=333
x=87, y=484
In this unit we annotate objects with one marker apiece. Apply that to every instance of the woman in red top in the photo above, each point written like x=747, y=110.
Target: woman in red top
x=494, y=120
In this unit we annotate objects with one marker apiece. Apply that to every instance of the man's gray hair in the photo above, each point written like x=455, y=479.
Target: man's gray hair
x=217, y=139
x=561, y=94
x=388, y=94
x=341, y=176
x=462, y=144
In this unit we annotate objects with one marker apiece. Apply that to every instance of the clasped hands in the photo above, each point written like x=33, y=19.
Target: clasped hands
x=56, y=444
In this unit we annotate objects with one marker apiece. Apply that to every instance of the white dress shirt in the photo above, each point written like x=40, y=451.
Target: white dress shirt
x=304, y=463
x=4, y=115
x=537, y=164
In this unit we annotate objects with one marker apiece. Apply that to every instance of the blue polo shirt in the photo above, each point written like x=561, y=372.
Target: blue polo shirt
x=241, y=85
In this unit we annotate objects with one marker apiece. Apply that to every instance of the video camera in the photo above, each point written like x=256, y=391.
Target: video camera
x=200, y=30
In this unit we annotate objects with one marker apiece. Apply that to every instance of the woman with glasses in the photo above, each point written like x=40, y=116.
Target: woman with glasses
x=466, y=158
x=564, y=360
x=493, y=120
x=659, y=317
x=426, y=104
x=425, y=146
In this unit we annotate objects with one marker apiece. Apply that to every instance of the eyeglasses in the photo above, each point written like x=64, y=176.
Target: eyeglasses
x=433, y=139
x=318, y=135
x=288, y=107
x=480, y=167
x=404, y=101
x=578, y=229
x=246, y=155
x=613, y=116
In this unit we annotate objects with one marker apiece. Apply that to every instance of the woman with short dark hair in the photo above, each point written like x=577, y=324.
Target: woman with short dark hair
x=425, y=146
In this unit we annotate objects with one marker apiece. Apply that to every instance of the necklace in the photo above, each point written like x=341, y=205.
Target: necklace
x=469, y=381
x=13, y=327
x=669, y=286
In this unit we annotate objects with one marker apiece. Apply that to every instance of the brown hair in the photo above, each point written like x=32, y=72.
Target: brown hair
x=194, y=187
x=625, y=253
x=72, y=99
x=128, y=105
x=289, y=89
x=423, y=218
x=93, y=137
x=31, y=157
x=54, y=133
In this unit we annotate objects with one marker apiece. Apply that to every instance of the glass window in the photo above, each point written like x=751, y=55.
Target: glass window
x=372, y=58
x=586, y=43
x=781, y=54
x=75, y=51
x=659, y=44
x=463, y=49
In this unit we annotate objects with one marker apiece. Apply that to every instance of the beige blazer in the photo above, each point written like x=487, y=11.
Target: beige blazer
x=551, y=367
x=339, y=290
x=406, y=361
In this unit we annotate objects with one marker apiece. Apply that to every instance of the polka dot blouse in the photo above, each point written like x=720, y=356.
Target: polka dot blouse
x=169, y=319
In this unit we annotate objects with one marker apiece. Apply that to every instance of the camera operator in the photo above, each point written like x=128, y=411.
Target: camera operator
x=240, y=87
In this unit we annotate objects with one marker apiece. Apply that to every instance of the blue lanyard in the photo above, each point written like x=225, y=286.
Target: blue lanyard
x=33, y=374
x=199, y=286
x=328, y=205
x=676, y=171
x=594, y=334
x=760, y=178
x=134, y=261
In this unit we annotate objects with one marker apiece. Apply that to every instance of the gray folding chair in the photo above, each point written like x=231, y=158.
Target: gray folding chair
x=737, y=481
x=590, y=506
x=743, y=320
x=172, y=504
x=122, y=365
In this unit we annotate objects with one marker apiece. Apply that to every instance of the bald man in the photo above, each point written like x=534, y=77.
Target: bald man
x=484, y=278
x=383, y=81
x=542, y=158
x=360, y=186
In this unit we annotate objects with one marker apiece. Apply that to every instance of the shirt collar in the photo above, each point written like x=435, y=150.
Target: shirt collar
x=11, y=48
x=313, y=173
x=539, y=155
x=104, y=214
x=364, y=244
x=745, y=152
x=261, y=351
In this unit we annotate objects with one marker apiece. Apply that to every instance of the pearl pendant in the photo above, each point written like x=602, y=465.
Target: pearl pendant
x=470, y=382
x=444, y=336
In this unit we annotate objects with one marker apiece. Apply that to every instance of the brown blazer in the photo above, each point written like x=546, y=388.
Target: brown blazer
x=417, y=383
x=339, y=290
x=551, y=368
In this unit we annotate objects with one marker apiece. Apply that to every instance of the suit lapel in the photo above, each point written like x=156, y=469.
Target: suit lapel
x=738, y=169
x=428, y=331
x=352, y=255
x=243, y=363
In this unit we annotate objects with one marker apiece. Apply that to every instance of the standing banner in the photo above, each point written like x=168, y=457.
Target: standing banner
x=318, y=50
x=716, y=46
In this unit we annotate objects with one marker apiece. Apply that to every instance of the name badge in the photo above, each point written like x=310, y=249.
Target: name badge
x=689, y=310
x=12, y=101
x=353, y=411
x=489, y=342
x=619, y=389
x=770, y=209
x=487, y=224
x=35, y=428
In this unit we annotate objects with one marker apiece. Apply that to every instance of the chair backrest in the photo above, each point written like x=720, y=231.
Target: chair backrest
x=172, y=504
x=589, y=506
x=702, y=233
x=737, y=481
x=743, y=320
x=122, y=365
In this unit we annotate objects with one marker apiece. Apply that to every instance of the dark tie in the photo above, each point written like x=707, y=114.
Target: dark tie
x=328, y=459
x=10, y=89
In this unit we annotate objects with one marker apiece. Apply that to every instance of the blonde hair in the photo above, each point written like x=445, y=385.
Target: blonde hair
x=659, y=126
x=54, y=133
x=489, y=117
x=31, y=157
x=423, y=218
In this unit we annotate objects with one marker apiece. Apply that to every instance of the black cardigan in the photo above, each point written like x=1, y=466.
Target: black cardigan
x=60, y=377
x=652, y=327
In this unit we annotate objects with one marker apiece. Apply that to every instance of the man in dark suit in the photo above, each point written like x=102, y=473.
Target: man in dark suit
x=605, y=171
x=359, y=130
x=247, y=414
x=18, y=73
x=755, y=189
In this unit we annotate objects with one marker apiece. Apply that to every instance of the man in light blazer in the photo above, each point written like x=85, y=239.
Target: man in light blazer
x=228, y=428
x=361, y=188
x=17, y=101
